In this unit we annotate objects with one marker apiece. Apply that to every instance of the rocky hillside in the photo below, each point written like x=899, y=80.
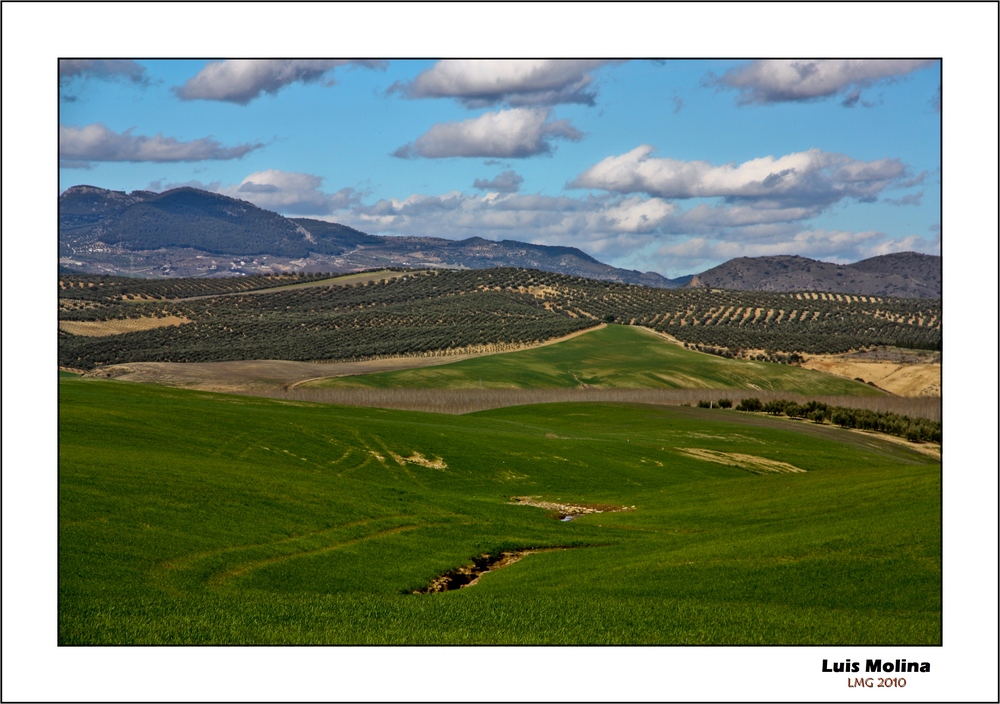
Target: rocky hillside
x=906, y=274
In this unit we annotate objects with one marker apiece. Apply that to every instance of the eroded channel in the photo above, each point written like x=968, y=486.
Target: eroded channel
x=468, y=575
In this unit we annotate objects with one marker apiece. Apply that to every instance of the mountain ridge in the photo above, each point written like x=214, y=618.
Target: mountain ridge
x=191, y=232
x=103, y=231
x=906, y=274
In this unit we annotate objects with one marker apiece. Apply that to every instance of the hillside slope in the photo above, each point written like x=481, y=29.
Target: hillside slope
x=617, y=356
x=444, y=311
x=279, y=523
x=905, y=274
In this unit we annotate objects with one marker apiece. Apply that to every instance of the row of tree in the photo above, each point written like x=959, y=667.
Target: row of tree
x=471, y=307
x=913, y=429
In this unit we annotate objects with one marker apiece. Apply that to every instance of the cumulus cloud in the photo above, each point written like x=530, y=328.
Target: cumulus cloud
x=507, y=134
x=105, y=69
x=286, y=192
x=791, y=80
x=242, y=80
x=505, y=182
x=98, y=143
x=516, y=82
x=291, y=193
x=628, y=230
x=811, y=179
x=608, y=227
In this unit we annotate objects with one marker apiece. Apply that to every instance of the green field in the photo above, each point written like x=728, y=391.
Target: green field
x=617, y=356
x=187, y=517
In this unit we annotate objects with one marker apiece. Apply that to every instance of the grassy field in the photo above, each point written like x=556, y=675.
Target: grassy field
x=187, y=517
x=617, y=356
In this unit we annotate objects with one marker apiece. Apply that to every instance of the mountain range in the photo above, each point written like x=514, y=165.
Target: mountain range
x=191, y=232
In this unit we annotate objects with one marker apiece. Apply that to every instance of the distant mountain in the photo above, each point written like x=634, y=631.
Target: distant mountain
x=171, y=233
x=190, y=232
x=906, y=274
x=182, y=217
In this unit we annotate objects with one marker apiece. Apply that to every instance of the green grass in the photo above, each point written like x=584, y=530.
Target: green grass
x=198, y=518
x=617, y=356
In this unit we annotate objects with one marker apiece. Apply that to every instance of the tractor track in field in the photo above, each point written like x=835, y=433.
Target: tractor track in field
x=222, y=577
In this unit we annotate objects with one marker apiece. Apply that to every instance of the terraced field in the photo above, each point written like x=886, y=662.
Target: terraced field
x=280, y=522
x=617, y=356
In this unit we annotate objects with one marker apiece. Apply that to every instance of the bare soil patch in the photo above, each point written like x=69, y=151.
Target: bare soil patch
x=750, y=463
x=419, y=459
x=104, y=328
x=566, y=511
x=235, y=377
x=903, y=378
x=931, y=449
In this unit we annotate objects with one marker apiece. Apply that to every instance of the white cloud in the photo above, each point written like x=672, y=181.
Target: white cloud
x=106, y=69
x=632, y=231
x=637, y=215
x=608, y=227
x=81, y=145
x=809, y=179
x=242, y=80
x=704, y=217
x=517, y=82
x=508, y=134
x=788, y=80
x=504, y=182
x=290, y=193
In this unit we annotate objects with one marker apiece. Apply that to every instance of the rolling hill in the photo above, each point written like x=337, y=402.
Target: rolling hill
x=906, y=274
x=297, y=523
x=446, y=311
x=616, y=356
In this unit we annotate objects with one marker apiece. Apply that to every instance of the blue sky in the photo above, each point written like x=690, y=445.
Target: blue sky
x=671, y=166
